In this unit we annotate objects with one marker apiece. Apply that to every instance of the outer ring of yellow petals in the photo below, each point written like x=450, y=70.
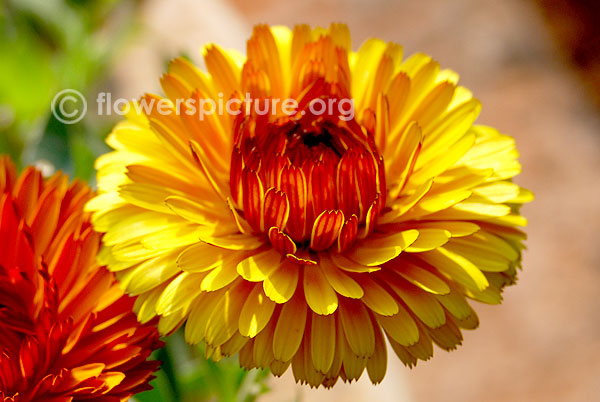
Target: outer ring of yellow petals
x=448, y=233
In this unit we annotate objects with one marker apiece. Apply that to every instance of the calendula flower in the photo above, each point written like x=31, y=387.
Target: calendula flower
x=307, y=237
x=67, y=331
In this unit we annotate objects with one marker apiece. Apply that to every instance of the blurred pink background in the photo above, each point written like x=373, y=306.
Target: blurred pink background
x=543, y=342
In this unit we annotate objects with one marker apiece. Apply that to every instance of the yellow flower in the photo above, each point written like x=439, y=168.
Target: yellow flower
x=308, y=237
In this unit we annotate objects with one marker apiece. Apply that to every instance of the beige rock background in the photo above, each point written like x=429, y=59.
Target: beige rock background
x=543, y=343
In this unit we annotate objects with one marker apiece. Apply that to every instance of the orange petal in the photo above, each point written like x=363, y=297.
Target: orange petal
x=277, y=209
x=326, y=229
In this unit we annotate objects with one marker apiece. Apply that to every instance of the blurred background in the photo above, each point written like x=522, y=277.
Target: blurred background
x=534, y=64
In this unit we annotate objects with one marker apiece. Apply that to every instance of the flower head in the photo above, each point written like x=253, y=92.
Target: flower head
x=67, y=331
x=306, y=238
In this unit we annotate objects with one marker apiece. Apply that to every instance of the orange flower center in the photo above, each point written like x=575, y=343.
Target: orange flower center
x=306, y=181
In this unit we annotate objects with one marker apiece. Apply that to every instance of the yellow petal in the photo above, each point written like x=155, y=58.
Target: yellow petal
x=194, y=211
x=290, y=329
x=193, y=77
x=223, y=322
x=449, y=127
x=223, y=70
x=314, y=377
x=500, y=191
x=133, y=251
x=256, y=312
x=397, y=94
x=422, y=278
x=351, y=266
x=147, y=196
x=447, y=337
x=322, y=341
x=376, y=251
x=429, y=239
x=200, y=312
x=263, y=347
x=234, y=344
x=399, y=157
x=257, y=267
x=172, y=237
x=400, y=327
x=319, y=295
x=367, y=59
x=402, y=353
x=401, y=206
x=436, y=202
x=281, y=284
x=423, y=349
x=434, y=103
x=456, y=228
x=482, y=208
x=423, y=304
x=201, y=257
x=151, y=273
x=132, y=223
x=168, y=324
x=234, y=241
x=111, y=379
x=377, y=363
x=523, y=197
x=219, y=277
x=145, y=304
x=456, y=267
x=179, y=293
x=444, y=160
x=456, y=304
x=357, y=327
x=340, y=281
x=485, y=261
x=490, y=243
x=377, y=298
x=87, y=371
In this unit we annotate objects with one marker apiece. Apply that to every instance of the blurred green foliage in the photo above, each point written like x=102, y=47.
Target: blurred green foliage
x=46, y=46
x=186, y=376
x=50, y=45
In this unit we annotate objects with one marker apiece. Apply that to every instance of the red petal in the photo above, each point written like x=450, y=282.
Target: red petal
x=253, y=199
x=326, y=229
x=235, y=176
x=277, y=209
x=293, y=183
x=322, y=190
x=348, y=234
x=281, y=242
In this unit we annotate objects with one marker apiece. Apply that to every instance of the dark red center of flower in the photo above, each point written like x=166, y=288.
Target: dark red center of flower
x=310, y=182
